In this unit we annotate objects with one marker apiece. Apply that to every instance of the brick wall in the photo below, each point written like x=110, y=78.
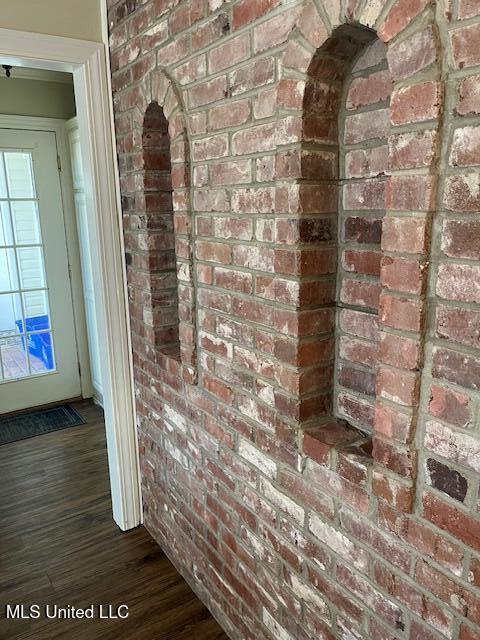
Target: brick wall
x=307, y=383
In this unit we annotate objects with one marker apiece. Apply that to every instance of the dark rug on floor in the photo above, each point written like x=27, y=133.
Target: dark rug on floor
x=36, y=423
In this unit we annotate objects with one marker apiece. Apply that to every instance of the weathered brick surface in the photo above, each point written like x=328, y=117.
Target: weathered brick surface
x=300, y=219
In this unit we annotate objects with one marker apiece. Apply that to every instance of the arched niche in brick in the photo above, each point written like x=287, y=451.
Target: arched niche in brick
x=327, y=198
x=159, y=238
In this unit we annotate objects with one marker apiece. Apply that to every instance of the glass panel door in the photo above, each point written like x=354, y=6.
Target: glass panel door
x=26, y=335
x=38, y=345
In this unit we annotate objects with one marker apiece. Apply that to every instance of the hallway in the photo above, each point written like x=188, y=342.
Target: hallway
x=59, y=545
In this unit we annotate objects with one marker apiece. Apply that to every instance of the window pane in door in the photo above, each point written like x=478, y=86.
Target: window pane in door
x=35, y=305
x=6, y=231
x=26, y=223
x=11, y=315
x=19, y=174
x=14, y=358
x=30, y=266
x=8, y=271
x=40, y=352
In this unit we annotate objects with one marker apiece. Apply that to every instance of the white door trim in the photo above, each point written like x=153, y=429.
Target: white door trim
x=87, y=61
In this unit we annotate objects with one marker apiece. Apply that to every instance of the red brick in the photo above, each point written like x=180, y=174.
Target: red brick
x=363, y=294
x=356, y=379
x=232, y=114
x=464, y=44
x=274, y=31
x=434, y=545
x=207, y=92
x=420, y=632
x=398, y=386
x=459, y=282
x=400, y=313
x=465, y=149
x=468, y=9
x=211, y=200
x=462, y=193
x=368, y=194
x=256, y=74
x=412, y=54
x=469, y=96
x=459, y=325
x=372, y=598
x=254, y=139
x=231, y=172
x=384, y=545
x=311, y=26
x=208, y=148
x=403, y=274
x=411, y=150
x=290, y=93
x=354, y=350
x=398, y=495
x=363, y=262
x=468, y=633
x=450, y=406
x=410, y=193
x=358, y=410
x=233, y=280
x=194, y=69
x=415, y=103
x=461, y=239
x=453, y=520
x=376, y=87
x=407, y=235
x=399, y=17
x=358, y=323
x=210, y=31
x=237, y=228
x=399, y=352
x=186, y=15
x=214, y=252
x=361, y=127
x=245, y=11
x=363, y=230
x=392, y=423
x=229, y=54
x=366, y=163
x=456, y=368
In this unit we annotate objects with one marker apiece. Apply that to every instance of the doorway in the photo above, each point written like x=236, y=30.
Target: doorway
x=87, y=62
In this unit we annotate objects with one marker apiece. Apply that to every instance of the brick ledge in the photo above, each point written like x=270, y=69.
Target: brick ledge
x=336, y=435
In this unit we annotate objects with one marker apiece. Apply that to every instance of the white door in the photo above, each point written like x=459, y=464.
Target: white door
x=38, y=352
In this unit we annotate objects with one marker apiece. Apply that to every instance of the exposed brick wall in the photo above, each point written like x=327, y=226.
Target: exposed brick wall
x=289, y=523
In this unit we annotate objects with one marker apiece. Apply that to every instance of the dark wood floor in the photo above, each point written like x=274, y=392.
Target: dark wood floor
x=59, y=545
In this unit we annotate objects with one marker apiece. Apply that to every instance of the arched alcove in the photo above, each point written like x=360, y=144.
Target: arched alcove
x=160, y=239
x=346, y=128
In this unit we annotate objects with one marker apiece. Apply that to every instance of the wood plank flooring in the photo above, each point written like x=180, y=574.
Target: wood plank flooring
x=59, y=545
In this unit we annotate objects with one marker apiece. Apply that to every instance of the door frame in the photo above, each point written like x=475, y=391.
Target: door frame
x=88, y=63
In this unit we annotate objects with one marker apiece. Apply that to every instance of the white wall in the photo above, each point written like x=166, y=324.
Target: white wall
x=68, y=18
x=38, y=98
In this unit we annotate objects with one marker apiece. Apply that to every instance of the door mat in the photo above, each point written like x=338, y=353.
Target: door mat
x=37, y=423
